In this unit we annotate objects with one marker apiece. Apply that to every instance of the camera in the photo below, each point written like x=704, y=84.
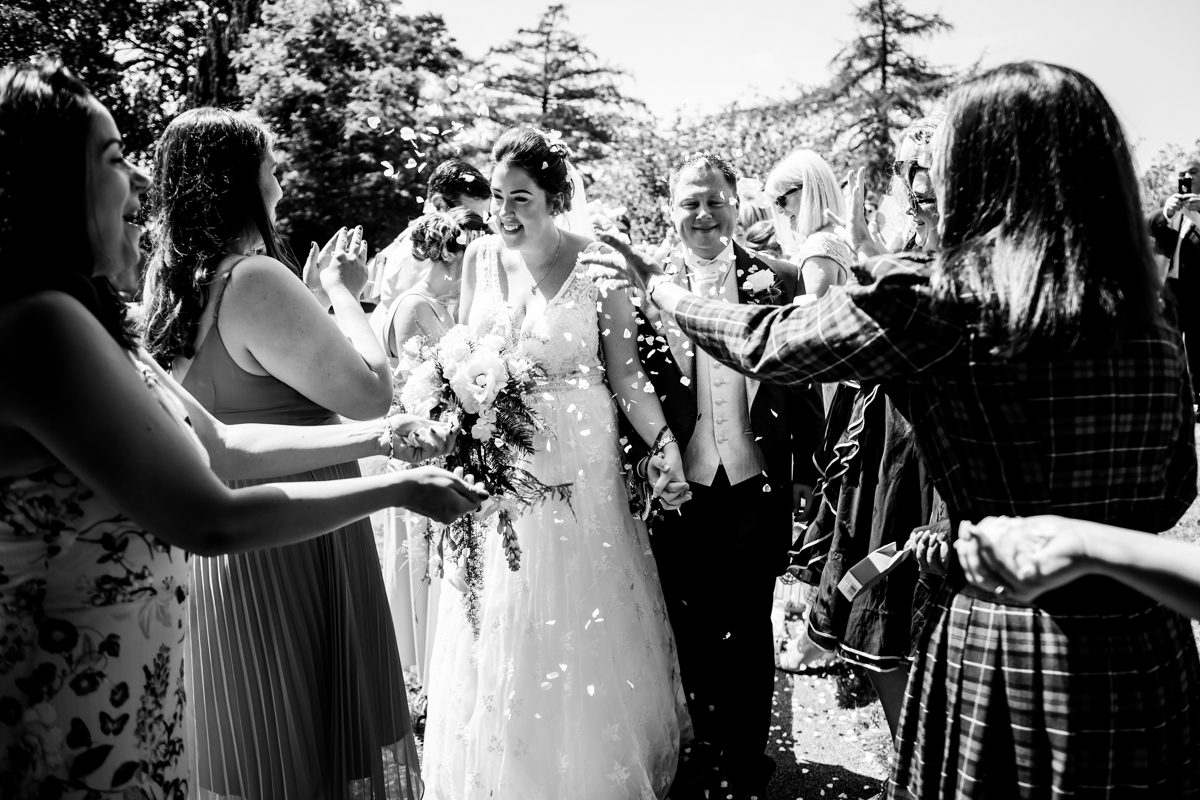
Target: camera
x=1185, y=184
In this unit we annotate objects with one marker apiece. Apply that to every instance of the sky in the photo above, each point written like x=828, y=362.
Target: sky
x=701, y=55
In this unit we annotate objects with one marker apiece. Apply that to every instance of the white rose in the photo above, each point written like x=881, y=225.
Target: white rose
x=422, y=391
x=760, y=281
x=454, y=348
x=478, y=380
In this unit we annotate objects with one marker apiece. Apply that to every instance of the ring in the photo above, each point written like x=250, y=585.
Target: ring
x=1000, y=590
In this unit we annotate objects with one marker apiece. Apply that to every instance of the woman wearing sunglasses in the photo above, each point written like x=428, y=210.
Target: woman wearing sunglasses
x=804, y=188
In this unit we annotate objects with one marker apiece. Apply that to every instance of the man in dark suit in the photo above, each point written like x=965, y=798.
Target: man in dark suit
x=1176, y=236
x=719, y=555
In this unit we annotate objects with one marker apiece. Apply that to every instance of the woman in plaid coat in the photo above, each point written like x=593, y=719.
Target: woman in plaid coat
x=1040, y=377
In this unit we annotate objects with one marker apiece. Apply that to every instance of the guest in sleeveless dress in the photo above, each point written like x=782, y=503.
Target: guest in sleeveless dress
x=298, y=687
x=438, y=241
x=107, y=474
x=570, y=689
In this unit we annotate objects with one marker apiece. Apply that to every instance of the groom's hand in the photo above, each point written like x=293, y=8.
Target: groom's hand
x=624, y=268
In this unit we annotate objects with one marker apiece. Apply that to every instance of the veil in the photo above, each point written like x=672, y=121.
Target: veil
x=578, y=219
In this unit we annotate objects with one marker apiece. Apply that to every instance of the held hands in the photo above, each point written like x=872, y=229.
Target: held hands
x=664, y=470
x=1022, y=557
x=440, y=495
x=415, y=439
x=341, y=262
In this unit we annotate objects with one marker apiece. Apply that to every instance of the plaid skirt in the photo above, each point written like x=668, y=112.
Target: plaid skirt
x=1007, y=701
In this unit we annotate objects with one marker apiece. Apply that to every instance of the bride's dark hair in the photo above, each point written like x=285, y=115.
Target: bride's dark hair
x=545, y=160
x=45, y=118
x=206, y=196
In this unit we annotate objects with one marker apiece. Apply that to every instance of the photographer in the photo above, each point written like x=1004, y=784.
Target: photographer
x=1176, y=229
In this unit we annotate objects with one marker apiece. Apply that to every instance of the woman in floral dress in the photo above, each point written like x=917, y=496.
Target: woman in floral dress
x=109, y=472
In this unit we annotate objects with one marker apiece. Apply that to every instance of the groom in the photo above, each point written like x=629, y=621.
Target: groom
x=719, y=556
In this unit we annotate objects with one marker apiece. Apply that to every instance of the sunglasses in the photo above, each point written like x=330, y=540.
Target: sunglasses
x=781, y=201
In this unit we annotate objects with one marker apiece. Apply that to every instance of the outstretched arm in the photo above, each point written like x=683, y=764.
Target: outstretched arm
x=253, y=450
x=79, y=397
x=875, y=333
x=1032, y=555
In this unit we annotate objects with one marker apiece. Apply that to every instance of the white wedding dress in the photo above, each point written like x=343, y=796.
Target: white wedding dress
x=572, y=689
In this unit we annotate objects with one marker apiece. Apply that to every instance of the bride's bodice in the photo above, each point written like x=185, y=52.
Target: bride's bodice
x=562, y=333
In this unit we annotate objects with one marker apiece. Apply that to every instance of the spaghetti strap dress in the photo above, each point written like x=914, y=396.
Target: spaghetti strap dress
x=411, y=590
x=297, y=685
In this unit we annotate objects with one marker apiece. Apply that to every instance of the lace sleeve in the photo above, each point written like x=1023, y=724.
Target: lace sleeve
x=826, y=245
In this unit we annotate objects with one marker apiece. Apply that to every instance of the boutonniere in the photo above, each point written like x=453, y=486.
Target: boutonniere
x=760, y=285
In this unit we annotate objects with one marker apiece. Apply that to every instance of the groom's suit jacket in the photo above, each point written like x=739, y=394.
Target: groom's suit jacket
x=787, y=423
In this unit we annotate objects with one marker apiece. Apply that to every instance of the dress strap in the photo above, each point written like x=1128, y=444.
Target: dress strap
x=222, y=286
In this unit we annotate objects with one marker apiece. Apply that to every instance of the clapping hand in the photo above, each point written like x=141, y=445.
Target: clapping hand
x=855, y=231
x=1022, y=557
x=341, y=262
x=620, y=266
x=415, y=439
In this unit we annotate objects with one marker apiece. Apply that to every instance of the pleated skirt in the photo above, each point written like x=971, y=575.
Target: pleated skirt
x=1013, y=703
x=296, y=684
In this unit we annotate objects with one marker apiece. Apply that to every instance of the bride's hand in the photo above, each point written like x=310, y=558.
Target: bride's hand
x=667, y=480
x=623, y=269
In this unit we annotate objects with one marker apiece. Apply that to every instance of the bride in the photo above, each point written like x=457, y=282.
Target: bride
x=571, y=689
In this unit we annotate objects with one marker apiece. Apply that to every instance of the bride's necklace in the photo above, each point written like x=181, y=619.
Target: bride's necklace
x=552, y=265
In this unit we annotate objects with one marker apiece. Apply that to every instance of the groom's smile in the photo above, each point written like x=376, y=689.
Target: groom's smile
x=704, y=210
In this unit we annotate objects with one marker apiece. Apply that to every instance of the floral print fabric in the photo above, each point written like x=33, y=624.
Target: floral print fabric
x=92, y=627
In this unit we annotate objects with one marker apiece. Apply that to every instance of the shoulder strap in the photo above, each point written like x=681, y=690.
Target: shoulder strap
x=223, y=284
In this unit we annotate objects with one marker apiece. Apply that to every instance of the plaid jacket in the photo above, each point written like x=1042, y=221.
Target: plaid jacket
x=1104, y=437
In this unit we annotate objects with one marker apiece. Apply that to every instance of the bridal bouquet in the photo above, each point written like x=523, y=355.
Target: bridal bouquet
x=482, y=385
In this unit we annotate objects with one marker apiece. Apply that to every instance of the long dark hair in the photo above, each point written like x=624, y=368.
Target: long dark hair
x=206, y=196
x=45, y=119
x=1039, y=201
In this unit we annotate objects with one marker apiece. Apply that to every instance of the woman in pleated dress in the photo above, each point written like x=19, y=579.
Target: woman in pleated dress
x=297, y=684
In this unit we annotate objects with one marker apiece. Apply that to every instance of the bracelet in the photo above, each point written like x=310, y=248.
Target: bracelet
x=664, y=438
x=386, y=439
x=640, y=468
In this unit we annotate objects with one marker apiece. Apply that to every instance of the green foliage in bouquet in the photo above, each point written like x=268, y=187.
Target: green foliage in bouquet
x=482, y=385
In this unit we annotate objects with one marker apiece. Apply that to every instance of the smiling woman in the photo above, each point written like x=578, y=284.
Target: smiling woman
x=109, y=473
x=611, y=718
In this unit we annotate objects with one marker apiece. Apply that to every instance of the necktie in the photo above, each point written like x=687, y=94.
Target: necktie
x=706, y=275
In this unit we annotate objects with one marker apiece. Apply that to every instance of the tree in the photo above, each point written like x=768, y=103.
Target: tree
x=1160, y=180
x=880, y=85
x=146, y=61
x=365, y=102
x=550, y=79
